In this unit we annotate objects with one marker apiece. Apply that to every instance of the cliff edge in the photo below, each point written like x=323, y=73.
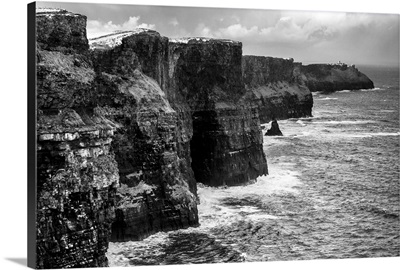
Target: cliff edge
x=226, y=147
x=108, y=151
x=127, y=123
x=334, y=77
x=276, y=85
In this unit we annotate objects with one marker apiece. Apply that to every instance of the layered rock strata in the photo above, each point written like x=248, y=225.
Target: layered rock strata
x=158, y=189
x=277, y=86
x=226, y=147
x=77, y=173
x=96, y=127
x=125, y=129
x=59, y=29
x=335, y=77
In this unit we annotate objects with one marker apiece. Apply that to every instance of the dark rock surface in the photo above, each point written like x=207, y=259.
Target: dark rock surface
x=335, y=77
x=274, y=130
x=58, y=29
x=226, y=147
x=158, y=189
x=277, y=86
x=77, y=173
x=94, y=128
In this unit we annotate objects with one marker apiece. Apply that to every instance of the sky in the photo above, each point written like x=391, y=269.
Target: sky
x=307, y=36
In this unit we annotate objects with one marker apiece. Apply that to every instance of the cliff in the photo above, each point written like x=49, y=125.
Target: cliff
x=58, y=29
x=202, y=81
x=108, y=148
x=158, y=189
x=125, y=128
x=277, y=87
x=334, y=77
x=77, y=173
x=226, y=147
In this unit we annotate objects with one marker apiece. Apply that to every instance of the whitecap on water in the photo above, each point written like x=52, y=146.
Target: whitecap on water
x=369, y=135
x=387, y=111
x=374, y=89
x=326, y=98
x=301, y=123
x=224, y=206
x=344, y=122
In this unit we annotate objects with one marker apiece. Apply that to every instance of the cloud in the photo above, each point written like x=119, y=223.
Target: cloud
x=238, y=31
x=97, y=28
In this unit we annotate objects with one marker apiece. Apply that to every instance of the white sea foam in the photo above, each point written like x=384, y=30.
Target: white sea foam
x=374, y=89
x=213, y=213
x=326, y=98
x=301, y=123
x=387, y=110
x=370, y=135
x=345, y=122
x=303, y=134
x=344, y=91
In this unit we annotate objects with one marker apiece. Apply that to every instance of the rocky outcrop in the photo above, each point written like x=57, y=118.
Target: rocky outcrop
x=226, y=147
x=98, y=124
x=58, y=29
x=202, y=81
x=334, y=77
x=158, y=190
x=77, y=173
x=274, y=130
x=277, y=87
x=125, y=129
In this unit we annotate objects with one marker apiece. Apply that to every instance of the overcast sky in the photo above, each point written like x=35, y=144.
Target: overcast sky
x=308, y=37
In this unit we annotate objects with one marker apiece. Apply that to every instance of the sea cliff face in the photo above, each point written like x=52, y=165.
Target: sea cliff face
x=226, y=147
x=124, y=130
x=110, y=162
x=334, y=77
x=158, y=190
x=277, y=86
x=77, y=174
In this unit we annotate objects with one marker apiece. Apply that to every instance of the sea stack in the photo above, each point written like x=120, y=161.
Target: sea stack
x=274, y=130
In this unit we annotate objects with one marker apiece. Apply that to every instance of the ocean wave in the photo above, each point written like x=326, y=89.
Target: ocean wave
x=370, y=135
x=301, y=123
x=387, y=111
x=380, y=211
x=345, y=122
x=223, y=206
x=326, y=98
x=374, y=89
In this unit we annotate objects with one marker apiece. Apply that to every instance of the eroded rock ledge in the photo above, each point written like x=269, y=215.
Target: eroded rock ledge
x=226, y=147
x=124, y=131
x=277, y=87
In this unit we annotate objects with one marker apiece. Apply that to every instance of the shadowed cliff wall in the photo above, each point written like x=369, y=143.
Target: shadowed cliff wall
x=334, y=77
x=77, y=173
x=226, y=147
x=277, y=86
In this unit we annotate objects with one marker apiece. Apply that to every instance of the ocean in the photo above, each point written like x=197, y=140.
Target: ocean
x=333, y=191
